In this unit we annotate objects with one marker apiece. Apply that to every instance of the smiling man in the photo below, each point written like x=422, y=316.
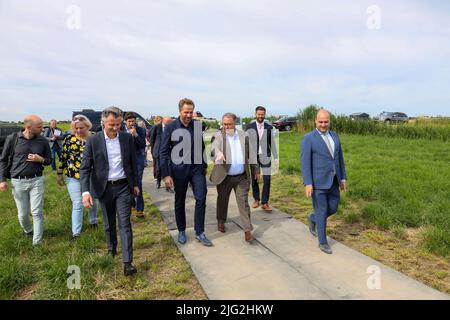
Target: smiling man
x=323, y=172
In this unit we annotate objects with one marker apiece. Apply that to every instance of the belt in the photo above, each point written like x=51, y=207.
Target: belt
x=28, y=177
x=120, y=181
x=237, y=175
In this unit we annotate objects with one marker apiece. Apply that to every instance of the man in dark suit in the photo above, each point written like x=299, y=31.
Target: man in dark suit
x=109, y=166
x=235, y=166
x=183, y=162
x=156, y=139
x=55, y=138
x=323, y=172
x=262, y=137
x=138, y=134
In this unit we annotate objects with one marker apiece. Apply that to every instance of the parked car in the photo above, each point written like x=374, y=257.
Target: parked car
x=6, y=130
x=285, y=124
x=360, y=116
x=96, y=117
x=390, y=117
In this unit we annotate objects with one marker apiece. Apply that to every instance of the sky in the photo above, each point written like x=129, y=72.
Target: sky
x=228, y=56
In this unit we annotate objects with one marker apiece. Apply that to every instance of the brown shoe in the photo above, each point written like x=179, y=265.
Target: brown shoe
x=255, y=204
x=266, y=207
x=248, y=236
x=140, y=214
x=221, y=227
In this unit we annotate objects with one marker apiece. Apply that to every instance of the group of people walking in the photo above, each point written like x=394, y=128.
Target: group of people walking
x=106, y=168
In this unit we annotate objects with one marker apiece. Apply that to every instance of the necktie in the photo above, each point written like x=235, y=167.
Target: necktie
x=327, y=142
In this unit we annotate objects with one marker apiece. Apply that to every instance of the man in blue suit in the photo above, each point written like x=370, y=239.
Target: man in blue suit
x=138, y=134
x=182, y=161
x=323, y=172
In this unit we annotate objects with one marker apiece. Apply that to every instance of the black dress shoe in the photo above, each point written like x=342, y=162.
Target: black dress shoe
x=75, y=238
x=312, y=227
x=112, y=253
x=158, y=185
x=129, y=269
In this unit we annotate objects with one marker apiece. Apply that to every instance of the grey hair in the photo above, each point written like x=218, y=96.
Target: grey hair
x=229, y=115
x=116, y=112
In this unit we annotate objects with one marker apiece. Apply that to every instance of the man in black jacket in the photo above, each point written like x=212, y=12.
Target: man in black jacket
x=263, y=142
x=156, y=139
x=109, y=164
x=23, y=159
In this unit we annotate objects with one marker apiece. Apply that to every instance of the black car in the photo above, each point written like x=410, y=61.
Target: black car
x=286, y=123
x=6, y=130
x=96, y=118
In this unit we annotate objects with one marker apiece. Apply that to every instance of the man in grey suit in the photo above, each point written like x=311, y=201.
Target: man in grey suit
x=323, y=172
x=109, y=167
x=55, y=138
x=235, y=167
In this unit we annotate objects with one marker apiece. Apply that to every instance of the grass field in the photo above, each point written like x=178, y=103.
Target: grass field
x=397, y=209
x=41, y=273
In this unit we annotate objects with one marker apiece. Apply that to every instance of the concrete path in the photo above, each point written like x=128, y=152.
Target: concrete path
x=283, y=263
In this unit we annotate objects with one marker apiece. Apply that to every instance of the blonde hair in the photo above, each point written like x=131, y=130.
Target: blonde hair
x=80, y=118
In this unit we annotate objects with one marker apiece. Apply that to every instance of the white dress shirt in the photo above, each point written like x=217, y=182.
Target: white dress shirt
x=237, y=158
x=328, y=136
x=116, y=171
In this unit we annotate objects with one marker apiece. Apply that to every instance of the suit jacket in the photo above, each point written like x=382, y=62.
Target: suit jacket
x=95, y=163
x=48, y=134
x=318, y=166
x=155, y=139
x=172, y=138
x=140, y=144
x=220, y=143
x=267, y=143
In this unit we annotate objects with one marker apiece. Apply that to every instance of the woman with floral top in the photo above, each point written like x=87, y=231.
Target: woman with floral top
x=72, y=154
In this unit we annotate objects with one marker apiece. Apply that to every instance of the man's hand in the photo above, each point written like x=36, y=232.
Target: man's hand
x=168, y=182
x=277, y=162
x=220, y=158
x=257, y=176
x=344, y=186
x=88, y=202
x=136, y=191
x=3, y=186
x=133, y=131
x=32, y=157
x=60, y=179
x=54, y=138
x=308, y=190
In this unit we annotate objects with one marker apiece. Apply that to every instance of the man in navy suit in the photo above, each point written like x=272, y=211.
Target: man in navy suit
x=261, y=137
x=323, y=172
x=155, y=142
x=108, y=170
x=138, y=134
x=182, y=161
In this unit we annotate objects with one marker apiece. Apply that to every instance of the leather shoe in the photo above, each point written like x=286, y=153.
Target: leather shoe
x=182, y=237
x=129, y=269
x=255, y=204
x=312, y=227
x=204, y=240
x=221, y=227
x=158, y=185
x=266, y=207
x=325, y=248
x=248, y=236
x=140, y=214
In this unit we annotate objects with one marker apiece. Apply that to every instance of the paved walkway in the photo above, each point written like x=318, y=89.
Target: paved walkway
x=283, y=263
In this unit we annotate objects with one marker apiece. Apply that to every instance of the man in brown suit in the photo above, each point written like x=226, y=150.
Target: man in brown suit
x=235, y=167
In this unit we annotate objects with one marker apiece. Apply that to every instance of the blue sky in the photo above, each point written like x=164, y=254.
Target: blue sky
x=225, y=55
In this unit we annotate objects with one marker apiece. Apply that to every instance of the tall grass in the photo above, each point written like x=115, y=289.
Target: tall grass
x=430, y=129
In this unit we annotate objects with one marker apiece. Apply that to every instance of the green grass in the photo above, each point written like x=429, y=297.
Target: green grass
x=28, y=272
x=396, y=182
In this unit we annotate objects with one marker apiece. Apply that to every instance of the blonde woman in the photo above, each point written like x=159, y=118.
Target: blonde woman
x=72, y=154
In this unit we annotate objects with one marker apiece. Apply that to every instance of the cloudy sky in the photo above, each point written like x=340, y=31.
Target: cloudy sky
x=345, y=55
